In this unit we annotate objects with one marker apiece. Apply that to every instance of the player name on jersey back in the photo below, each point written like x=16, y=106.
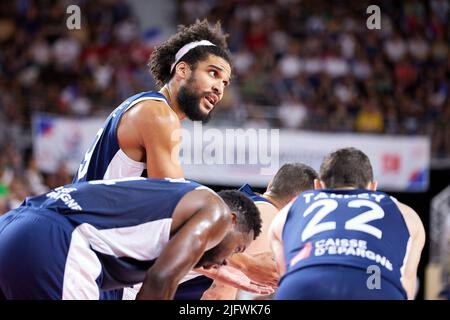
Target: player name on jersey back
x=322, y=195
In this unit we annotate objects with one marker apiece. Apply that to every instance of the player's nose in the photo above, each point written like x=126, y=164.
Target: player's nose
x=218, y=90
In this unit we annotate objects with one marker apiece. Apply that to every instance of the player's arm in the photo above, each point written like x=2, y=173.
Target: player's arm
x=202, y=231
x=160, y=134
x=260, y=268
x=417, y=242
x=252, y=274
x=235, y=278
x=276, y=240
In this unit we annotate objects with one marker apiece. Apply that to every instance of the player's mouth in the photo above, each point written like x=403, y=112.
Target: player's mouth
x=211, y=101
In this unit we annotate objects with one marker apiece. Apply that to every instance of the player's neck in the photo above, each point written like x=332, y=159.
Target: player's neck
x=278, y=204
x=170, y=94
x=344, y=188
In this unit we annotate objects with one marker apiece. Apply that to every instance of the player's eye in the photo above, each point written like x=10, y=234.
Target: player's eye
x=213, y=73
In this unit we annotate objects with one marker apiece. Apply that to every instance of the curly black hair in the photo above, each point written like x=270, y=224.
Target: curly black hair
x=248, y=216
x=164, y=55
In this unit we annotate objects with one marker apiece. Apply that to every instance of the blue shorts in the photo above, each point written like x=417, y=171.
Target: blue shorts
x=334, y=282
x=193, y=289
x=34, y=246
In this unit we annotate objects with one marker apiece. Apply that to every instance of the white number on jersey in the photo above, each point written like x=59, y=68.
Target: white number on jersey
x=87, y=157
x=358, y=223
x=313, y=227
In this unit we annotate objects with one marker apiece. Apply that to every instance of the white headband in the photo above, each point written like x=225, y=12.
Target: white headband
x=186, y=48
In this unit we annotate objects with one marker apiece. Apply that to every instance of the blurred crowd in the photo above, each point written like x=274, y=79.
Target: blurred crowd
x=45, y=67
x=315, y=65
x=310, y=65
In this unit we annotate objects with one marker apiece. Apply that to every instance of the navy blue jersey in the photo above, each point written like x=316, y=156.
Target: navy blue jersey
x=247, y=189
x=105, y=159
x=115, y=203
x=356, y=228
x=126, y=222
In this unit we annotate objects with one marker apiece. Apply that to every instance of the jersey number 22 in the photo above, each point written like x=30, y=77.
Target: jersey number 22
x=358, y=223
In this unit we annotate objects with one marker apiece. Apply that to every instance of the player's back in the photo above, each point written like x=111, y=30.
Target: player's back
x=354, y=228
x=261, y=244
x=268, y=212
x=126, y=222
x=109, y=203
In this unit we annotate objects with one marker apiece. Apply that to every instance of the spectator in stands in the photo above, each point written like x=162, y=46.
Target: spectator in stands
x=311, y=58
x=369, y=118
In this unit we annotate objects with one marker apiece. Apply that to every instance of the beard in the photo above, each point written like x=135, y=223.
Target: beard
x=189, y=102
x=207, y=257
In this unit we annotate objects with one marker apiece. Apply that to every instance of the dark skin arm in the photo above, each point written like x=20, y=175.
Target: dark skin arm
x=201, y=220
x=150, y=132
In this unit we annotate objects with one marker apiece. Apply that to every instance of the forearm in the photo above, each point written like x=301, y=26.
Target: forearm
x=261, y=268
x=157, y=288
x=240, y=261
x=409, y=284
x=277, y=251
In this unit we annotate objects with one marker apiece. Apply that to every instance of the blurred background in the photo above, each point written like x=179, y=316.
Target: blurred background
x=304, y=67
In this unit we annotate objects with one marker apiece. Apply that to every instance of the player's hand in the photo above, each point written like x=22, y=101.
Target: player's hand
x=236, y=278
x=265, y=269
x=260, y=268
x=220, y=291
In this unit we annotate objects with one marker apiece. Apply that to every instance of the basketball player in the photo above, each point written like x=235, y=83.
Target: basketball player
x=346, y=240
x=80, y=239
x=193, y=68
x=257, y=261
x=140, y=136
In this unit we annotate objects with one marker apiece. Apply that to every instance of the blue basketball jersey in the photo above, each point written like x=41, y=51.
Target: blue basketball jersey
x=356, y=228
x=247, y=189
x=126, y=222
x=105, y=159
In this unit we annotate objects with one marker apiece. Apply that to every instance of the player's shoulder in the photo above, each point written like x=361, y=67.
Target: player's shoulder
x=412, y=220
x=266, y=207
x=206, y=196
x=407, y=210
x=154, y=112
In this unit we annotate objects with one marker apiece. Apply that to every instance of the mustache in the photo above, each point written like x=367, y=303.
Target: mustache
x=189, y=102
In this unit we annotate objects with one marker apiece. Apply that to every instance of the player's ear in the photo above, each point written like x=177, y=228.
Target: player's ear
x=372, y=185
x=318, y=184
x=233, y=218
x=183, y=70
x=269, y=185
